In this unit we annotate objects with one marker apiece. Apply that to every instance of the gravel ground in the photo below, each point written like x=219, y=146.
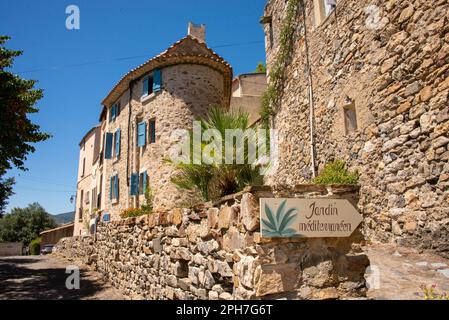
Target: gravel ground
x=44, y=277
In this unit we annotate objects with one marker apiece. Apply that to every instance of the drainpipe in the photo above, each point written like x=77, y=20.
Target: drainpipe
x=129, y=130
x=311, y=103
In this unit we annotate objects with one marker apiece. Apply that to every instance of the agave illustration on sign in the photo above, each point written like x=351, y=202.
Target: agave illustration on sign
x=278, y=225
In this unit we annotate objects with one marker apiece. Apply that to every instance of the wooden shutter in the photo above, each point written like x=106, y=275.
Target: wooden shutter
x=108, y=151
x=157, y=80
x=144, y=182
x=117, y=143
x=141, y=134
x=111, y=187
x=116, y=185
x=134, y=184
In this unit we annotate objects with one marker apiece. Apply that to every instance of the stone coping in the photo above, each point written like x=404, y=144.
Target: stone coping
x=174, y=216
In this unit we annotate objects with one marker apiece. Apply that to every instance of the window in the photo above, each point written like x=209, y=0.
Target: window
x=151, y=83
x=83, y=171
x=138, y=183
x=268, y=20
x=114, y=112
x=99, y=193
x=323, y=9
x=147, y=85
x=329, y=7
x=94, y=197
x=152, y=131
x=87, y=197
x=114, y=188
x=350, y=116
x=80, y=210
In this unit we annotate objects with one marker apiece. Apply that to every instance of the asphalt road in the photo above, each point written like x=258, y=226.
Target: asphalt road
x=44, y=278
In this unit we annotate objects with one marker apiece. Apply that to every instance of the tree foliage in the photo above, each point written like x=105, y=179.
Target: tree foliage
x=5, y=192
x=261, y=68
x=25, y=224
x=17, y=133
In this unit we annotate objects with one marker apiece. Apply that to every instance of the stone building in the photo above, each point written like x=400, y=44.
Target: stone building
x=88, y=187
x=142, y=112
x=379, y=76
x=247, y=90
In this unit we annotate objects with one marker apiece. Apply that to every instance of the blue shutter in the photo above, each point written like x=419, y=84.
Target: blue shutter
x=141, y=134
x=152, y=131
x=157, y=80
x=117, y=143
x=134, y=184
x=116, y=187
x=111, y=182
x=108, y=151
x=145, y=86
x=144, y=182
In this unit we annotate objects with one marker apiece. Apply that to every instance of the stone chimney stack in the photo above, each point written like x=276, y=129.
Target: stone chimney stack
x=197, y=31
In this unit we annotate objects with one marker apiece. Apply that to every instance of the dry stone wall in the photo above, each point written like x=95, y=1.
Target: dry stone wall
x=216, y=252
x=391, y=59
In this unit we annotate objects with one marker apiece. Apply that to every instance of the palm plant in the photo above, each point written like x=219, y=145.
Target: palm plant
x=217, y=179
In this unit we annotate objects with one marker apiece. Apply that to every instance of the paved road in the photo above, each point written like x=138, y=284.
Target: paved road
x=44, y=277
x=401, y=271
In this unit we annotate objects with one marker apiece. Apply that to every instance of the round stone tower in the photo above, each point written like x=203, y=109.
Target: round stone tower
x=146, y=109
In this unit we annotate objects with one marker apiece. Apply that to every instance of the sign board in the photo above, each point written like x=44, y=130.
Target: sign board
x=309, y=218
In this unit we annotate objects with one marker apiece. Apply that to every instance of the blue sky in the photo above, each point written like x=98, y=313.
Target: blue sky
x=77, y=68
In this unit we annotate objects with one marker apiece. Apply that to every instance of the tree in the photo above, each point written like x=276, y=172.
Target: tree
x=5, y=193
x=261, y=68
x=25, y=224
x=18, y=133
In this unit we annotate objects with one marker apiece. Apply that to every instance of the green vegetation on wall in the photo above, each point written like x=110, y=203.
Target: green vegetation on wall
x=336, y=173
x=277, y=72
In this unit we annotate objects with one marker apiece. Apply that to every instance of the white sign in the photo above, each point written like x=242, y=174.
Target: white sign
x=310, y=218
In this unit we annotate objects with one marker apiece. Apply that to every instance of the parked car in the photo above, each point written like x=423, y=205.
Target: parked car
x=48, y=248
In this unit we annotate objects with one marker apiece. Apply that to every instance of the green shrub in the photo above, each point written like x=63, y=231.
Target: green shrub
x=149, y=197
x=336, y=173
x=132, y=212
x=35, y=246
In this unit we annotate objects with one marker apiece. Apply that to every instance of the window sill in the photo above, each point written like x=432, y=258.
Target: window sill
x=147, y=97
x=114, y=201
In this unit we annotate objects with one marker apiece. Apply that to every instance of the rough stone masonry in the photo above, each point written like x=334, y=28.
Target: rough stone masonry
x=380, y=75
x=216, y=252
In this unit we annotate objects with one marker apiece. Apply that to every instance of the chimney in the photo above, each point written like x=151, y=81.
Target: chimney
x=197, y=31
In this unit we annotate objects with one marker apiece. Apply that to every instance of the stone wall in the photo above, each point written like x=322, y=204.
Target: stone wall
x=216, y=252
x=390, y=58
